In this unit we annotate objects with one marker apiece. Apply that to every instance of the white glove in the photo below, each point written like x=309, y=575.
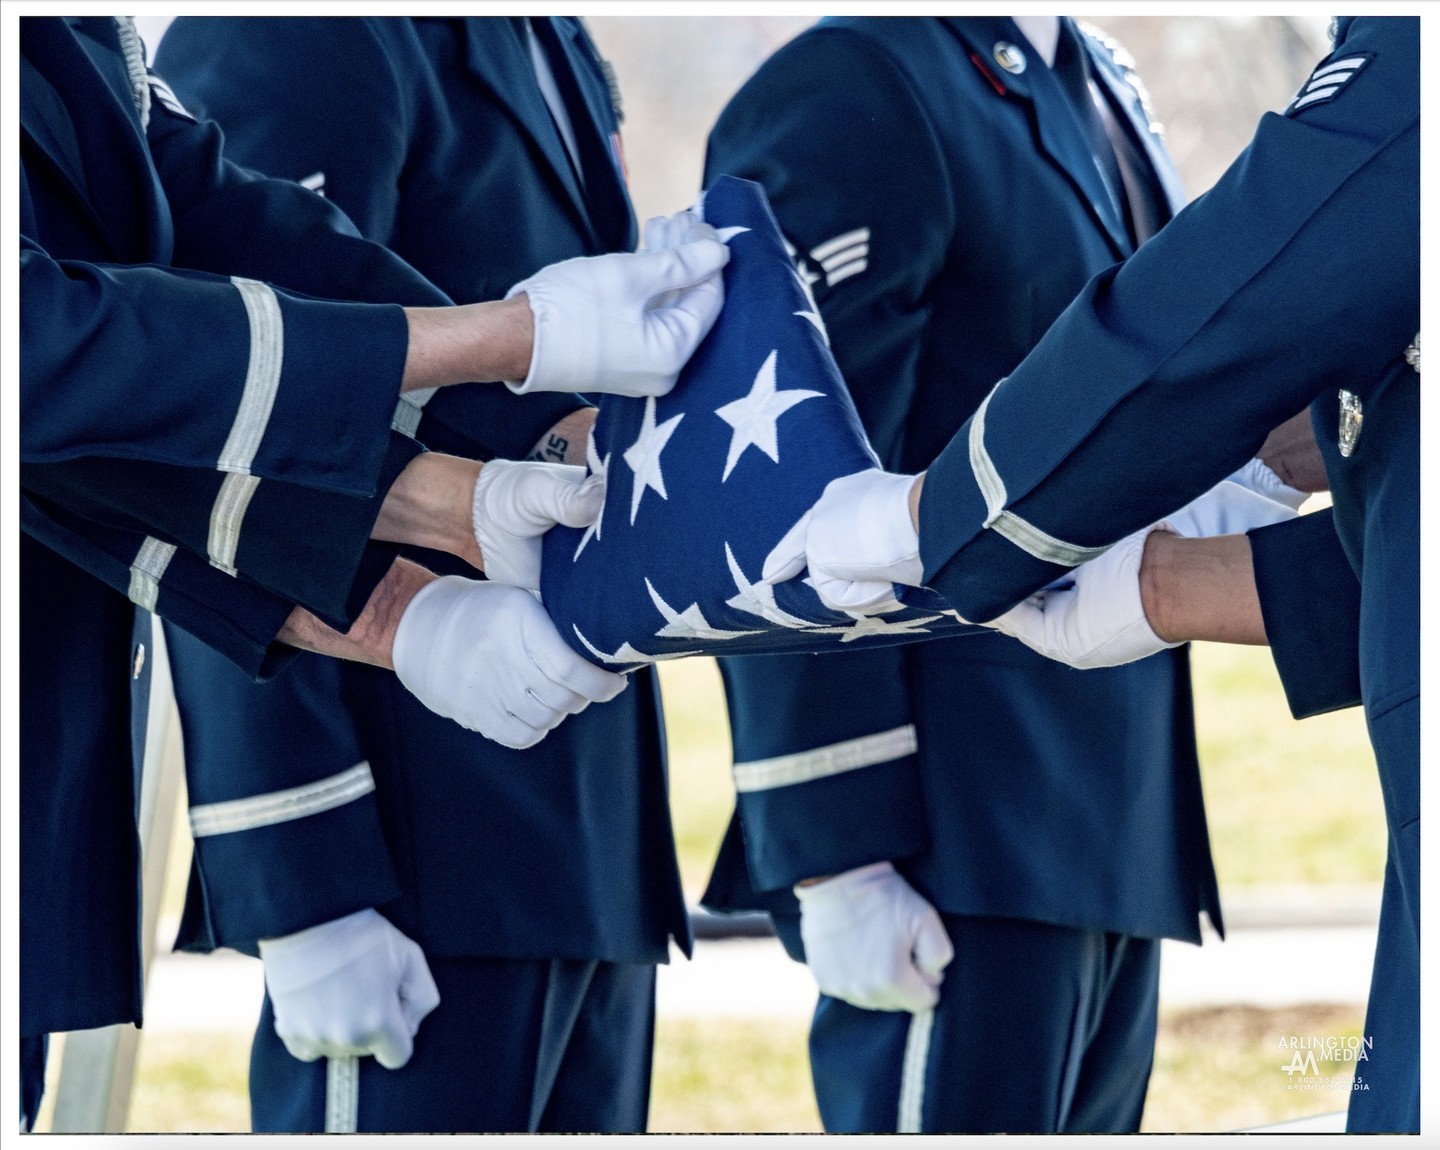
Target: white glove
x=623, y=323
x=516, y=503
x=489, y=657
x=1099, y=619
x=350, y=987
x=872, y=941
x=857, y=541
x=1258, y=477
x=661, y=233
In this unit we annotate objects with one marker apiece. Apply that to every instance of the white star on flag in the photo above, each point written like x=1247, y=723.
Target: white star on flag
x=728, y=234
x=869, y=626
x=624, y=653
x=753, y=416
x=758, y=598
x=600, y=467
x=688, y=624
x=813, y=315
x=643, y=455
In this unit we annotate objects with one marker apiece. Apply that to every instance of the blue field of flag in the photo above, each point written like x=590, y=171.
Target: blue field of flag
x=703, y=482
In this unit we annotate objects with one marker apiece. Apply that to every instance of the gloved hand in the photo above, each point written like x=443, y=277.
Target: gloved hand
x=1098, y=619
x=350, y=987
x=488, y=656
x=661, y=233
x=1256, y=476
x=857, y=540
x=514, y=504
x=624, y=323
x=872, y=941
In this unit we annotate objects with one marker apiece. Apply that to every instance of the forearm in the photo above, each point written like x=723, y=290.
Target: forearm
x=428, y=505
x=565, y=442
x=1290, y=451
x=1201, y=589
x=372, y=636
x=481, y=341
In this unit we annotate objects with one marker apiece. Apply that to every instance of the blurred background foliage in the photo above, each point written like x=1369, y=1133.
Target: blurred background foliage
x=1289, y=803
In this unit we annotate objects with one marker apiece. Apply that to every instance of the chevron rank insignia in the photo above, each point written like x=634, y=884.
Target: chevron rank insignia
x=1327, y=81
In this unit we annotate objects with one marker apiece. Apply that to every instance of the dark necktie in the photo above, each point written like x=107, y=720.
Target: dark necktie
x=1072, y=70
x=604, y=194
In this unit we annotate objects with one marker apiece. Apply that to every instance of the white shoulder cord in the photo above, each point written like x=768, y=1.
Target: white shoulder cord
x=134, y=51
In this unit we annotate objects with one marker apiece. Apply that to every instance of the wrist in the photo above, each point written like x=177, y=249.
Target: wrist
x=371, y=639
x=470, y=342
x=1157, y=565
x=428, y=505
x=915, y=501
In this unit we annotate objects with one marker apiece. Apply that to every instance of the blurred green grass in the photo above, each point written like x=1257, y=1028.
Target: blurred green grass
x=1288, y=802
x=1216, y=1069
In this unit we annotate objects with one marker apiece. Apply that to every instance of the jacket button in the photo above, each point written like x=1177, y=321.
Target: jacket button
x=1009, y=57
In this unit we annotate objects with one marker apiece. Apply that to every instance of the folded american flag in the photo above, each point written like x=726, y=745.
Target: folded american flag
x=703, y=482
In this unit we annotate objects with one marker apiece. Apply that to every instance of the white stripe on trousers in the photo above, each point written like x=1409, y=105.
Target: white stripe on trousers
x=342, y=1095
x=910, y=1120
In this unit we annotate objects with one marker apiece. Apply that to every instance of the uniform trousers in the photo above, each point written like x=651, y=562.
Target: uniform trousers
x=515, y=1046
x=1385, y=1093
x=32, y=1078
x=1039, y=1029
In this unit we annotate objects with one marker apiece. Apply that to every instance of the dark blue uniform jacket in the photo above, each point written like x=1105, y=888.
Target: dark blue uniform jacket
x=945, y=211
x=201, y=434
x=1294, y=281
x=330, y=788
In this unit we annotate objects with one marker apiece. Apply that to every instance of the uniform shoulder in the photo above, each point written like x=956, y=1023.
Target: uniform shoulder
x=1113, y=54
x=871, y=42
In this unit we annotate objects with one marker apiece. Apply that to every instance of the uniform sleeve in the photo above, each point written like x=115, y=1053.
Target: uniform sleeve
x=235, y=617
x=204, y=371
x=826, y=768
x=1261, y=295
x=1310, y=600
x=282, y=801
x=302, y=544
x=289, y=109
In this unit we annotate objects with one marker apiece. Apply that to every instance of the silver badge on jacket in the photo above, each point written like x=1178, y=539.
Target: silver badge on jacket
x=1352, y=418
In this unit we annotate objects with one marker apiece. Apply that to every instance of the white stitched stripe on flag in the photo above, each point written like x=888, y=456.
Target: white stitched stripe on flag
x=147, y=571
x=225, y=518
x=282, y=806
x=262, y=376
x=822, y=762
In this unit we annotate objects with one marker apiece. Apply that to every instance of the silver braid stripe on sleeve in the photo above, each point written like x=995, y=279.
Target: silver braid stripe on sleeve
x=262, y=376
x=147, y=571
x=1007, y=524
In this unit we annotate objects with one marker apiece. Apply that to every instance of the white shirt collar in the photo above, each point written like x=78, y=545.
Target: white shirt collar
x=1043, y=32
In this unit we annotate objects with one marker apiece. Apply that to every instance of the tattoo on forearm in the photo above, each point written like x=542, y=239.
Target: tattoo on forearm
x=552, y=450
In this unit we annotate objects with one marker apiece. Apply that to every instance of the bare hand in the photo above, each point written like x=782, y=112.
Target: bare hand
x=1290, y=451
